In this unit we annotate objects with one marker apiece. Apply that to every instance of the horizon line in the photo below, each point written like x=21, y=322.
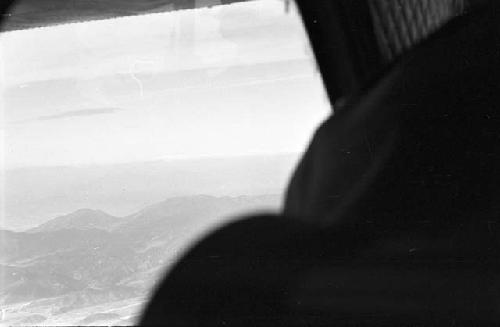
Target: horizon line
x=173, y=158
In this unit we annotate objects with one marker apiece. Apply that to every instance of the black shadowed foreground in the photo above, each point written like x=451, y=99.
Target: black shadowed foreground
x=391, y=217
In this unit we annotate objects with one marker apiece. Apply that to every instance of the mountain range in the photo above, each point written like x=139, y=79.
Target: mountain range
x=34, y=195
x=80, y=219
x=89, y=267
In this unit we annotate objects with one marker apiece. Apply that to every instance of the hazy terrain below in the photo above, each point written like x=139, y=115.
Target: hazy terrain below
x=85, y=245
x=92, y=268
x=35, y=195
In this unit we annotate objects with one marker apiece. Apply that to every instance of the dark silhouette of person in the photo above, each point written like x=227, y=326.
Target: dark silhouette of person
x=392, y=214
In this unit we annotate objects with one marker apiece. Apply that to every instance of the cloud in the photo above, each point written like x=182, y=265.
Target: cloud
x=78, y=113
x=67, y=114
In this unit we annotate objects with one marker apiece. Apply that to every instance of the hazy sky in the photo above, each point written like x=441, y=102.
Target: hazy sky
x=226, y=80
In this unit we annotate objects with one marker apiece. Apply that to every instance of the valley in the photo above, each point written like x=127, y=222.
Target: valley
x=91, y=268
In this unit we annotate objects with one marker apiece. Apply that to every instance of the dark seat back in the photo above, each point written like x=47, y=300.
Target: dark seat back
x=392, y=215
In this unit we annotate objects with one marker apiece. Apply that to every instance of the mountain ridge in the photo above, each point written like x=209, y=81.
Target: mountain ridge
x=86, y=218
x=79, y=219
x=36, y=194
x=76, y=268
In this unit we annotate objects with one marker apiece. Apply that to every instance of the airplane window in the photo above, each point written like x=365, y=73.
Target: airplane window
x=126, y=138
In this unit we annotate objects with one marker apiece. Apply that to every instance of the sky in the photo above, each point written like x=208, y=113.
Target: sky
x=221, y=81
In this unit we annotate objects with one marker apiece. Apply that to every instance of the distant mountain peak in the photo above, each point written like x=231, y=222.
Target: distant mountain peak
x=87, y=211
x=79, y=219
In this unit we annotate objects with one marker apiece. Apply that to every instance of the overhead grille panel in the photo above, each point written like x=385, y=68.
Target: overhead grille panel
x=400, y=24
